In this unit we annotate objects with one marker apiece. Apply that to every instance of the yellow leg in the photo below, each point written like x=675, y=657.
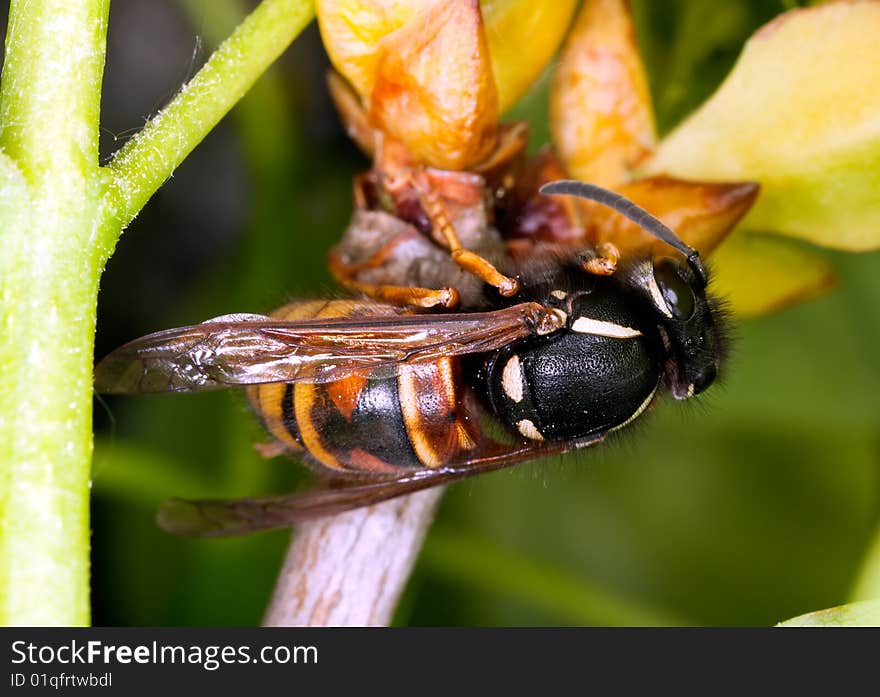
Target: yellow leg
x=404, y=296
x=470, y=261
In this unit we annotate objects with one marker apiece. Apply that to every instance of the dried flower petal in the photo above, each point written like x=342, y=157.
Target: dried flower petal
x=701, y=213
x=759, y=274
x=600, y=106
x=351, y=111
x=528, y=214
x=800, y=113
x=523, y=36
x=434, y=89
x=351, y=30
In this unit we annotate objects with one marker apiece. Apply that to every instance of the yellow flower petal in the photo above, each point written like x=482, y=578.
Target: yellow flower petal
x=600, y=106
x=351, y=30
x=759, y=274
x=434, y=90
x=523, y=36
x=800, y=113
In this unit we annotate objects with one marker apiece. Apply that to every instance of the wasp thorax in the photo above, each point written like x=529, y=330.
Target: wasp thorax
x=624, y=336
x=595, y=375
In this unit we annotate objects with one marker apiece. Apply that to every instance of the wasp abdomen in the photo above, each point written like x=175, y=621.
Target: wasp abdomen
x=414, y=416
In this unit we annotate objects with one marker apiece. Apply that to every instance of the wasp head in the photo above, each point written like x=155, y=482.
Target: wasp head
x=691, y=324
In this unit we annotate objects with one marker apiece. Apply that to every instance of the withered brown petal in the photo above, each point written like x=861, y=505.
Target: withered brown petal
x=352, y=28
x=529, y=214
x=352, y=113
x=701, y=213
x=434, y=89
x=601, y=116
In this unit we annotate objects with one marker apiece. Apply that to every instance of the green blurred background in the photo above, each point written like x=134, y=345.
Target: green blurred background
x=756, y=505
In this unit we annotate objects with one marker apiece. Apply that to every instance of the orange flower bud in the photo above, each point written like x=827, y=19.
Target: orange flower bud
x=351, y=30
x=352, y=113
x=434, y=89
x=600, y=106
x=701, y=213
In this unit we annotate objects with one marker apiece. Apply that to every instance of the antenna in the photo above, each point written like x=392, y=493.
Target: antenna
x=637, y=214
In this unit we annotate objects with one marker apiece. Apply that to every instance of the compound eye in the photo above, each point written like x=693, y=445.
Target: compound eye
x=677, y=292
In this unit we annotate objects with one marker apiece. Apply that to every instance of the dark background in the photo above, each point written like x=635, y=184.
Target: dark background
x=754, y=506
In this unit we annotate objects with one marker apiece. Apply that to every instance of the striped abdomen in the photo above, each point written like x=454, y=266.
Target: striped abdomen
x=381, y=421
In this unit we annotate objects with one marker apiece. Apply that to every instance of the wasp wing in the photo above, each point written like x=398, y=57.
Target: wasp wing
x=253, y=349
x=224, y=518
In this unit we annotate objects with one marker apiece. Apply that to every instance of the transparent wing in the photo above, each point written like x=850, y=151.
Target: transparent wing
x=252, y=349
x=223, y=518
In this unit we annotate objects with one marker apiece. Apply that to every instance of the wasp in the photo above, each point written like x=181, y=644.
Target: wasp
x=550, y=354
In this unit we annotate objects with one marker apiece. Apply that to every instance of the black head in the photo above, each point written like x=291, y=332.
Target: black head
x=689, y=322
x=648, y=323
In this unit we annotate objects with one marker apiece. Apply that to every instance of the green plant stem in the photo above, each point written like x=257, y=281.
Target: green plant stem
x=51, y=189
x=148, y=159
x=60, y=217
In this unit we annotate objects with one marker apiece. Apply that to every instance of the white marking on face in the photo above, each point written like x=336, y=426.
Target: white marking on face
x=559, y=294
x=657, y=295
x=690, y=392
x=586, y=325
x=644, y=405
x=527, y=428
x=512, y=380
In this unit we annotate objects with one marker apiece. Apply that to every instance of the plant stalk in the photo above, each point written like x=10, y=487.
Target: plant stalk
x=49, y=268
x=144, y=163
x=350, y=569
x=61, y=215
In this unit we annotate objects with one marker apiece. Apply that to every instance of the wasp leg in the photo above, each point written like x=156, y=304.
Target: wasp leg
x=601, y=261
x=396, y=295
x=444, y=232
x=407, y=183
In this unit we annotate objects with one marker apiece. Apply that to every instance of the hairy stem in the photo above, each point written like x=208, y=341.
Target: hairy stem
x=49, y=200
x=60, y=217
x=148, y=159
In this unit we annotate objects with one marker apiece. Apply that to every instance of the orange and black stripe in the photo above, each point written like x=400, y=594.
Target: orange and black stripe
x=417, y=417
